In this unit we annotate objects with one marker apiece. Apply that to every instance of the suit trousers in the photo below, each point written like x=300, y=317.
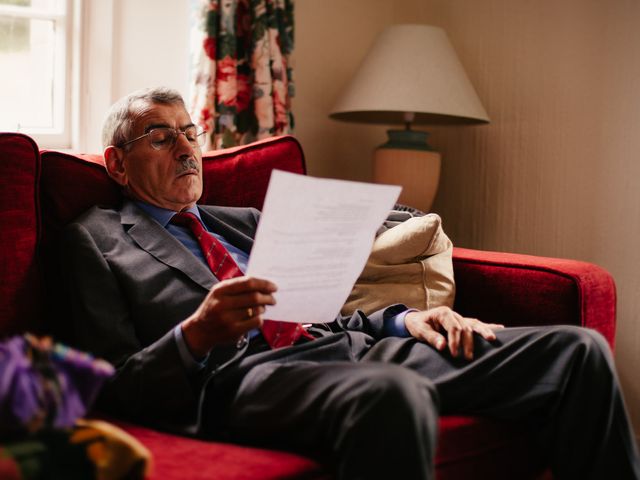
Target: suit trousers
x=370, y=407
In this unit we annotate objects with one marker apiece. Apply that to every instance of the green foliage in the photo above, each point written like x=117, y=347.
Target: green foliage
x=15, y=34
x=228, y=139
x=17, y=3
x=211, y=23
x=226, y=46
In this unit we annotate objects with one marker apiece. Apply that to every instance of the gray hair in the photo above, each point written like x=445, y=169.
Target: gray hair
x=118, y=124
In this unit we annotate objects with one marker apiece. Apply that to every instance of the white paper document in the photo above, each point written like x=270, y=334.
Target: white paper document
x=313, y=240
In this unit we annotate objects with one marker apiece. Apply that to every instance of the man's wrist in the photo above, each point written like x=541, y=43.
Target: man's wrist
x=394, y=326
x=192, y=340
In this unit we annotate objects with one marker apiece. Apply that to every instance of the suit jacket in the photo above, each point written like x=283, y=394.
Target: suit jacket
x=130, y=283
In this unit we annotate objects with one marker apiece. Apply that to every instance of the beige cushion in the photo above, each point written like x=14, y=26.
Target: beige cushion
x=410, y=263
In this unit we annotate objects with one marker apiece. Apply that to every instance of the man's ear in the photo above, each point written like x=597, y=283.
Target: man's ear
x=114, y=161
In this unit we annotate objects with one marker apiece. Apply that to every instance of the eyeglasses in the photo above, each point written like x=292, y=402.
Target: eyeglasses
x=164, y=138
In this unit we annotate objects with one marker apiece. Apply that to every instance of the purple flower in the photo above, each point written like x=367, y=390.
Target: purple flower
x=43, y=384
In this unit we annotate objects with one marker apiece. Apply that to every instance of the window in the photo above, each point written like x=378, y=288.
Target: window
x=35, y=59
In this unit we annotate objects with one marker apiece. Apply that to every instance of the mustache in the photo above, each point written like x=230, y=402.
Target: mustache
x=187, y=164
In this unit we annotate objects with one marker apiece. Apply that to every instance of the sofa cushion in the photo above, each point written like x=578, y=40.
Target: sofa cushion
x=500, y=450
x=467, y=445
x=19, y=216
x=409, y=263
x=180, y=457
x=70, y=185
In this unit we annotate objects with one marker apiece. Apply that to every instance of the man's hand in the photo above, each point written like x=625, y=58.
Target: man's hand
x=431, y=326
x=230, y=309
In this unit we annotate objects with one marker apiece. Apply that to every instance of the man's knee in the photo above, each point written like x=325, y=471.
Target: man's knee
x=587, y=343
x=582, y=337
x=389, y=424
x=389, y=403
x=397, y=388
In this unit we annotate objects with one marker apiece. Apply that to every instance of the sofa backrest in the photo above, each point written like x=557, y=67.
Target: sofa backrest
x=40, y=192
x=20, y=233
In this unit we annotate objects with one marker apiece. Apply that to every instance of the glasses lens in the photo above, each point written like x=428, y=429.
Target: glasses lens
x=161, y=138
x=164, y=138
x=191, y=134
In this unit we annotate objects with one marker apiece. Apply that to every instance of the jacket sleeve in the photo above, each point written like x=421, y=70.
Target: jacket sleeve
x=372, y=324
x=149, y=381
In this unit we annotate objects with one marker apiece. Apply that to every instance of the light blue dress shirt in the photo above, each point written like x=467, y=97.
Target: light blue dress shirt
x=393, y=326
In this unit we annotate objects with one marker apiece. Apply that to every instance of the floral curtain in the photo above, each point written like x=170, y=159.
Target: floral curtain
x=242, y=73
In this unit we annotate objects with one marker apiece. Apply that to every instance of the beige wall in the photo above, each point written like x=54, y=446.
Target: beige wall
x=331, y=38
x=556, y=172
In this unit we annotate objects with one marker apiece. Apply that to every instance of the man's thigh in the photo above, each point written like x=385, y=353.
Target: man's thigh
x=306, y=404
x=517, y=373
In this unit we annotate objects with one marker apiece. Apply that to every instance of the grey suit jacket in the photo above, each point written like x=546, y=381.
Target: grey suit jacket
x=130, y=283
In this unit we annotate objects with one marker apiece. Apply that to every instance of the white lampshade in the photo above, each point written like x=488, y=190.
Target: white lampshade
x=410, y=69
x=411, y=74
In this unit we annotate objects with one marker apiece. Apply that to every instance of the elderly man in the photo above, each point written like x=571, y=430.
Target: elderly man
x=158, y=290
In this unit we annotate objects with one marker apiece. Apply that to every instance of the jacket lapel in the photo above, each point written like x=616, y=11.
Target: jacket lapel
x=240, y=236
x=153, y=238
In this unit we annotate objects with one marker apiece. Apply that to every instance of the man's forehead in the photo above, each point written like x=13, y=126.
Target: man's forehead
x=148, y=114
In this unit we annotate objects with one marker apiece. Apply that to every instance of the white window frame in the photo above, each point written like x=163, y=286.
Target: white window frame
x=92, y=71
x=59, y=136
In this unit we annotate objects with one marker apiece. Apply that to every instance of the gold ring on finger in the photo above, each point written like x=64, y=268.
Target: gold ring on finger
x=249, y=312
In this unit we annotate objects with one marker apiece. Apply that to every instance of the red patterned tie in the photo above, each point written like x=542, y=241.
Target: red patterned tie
x=277, y=334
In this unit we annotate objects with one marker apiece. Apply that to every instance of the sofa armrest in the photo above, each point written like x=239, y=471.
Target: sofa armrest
x=519, y=290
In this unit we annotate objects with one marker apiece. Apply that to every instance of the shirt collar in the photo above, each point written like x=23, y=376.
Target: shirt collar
x=162, y=215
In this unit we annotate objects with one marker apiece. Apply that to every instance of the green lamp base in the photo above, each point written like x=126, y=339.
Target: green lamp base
x=408, y=140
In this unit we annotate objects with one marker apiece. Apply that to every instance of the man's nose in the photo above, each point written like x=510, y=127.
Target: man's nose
x=183, y=145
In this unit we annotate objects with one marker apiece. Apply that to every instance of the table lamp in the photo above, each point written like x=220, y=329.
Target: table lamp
x=411, y=75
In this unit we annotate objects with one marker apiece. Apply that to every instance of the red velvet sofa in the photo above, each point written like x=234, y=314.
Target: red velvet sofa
x=40, y=191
